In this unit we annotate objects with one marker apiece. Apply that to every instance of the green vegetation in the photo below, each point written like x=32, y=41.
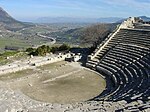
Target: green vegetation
x=3, y=60
x=8, y=56
x=43, y=50
x=9, y=53
x=84, y=36
x=21, y=42
x=3, y=57
x=54, y=49
x=30, y=50
x=64, y=47
x=34, y=30
x=12, y=42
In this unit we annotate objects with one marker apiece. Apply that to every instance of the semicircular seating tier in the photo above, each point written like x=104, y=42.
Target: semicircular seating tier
x=125, y=63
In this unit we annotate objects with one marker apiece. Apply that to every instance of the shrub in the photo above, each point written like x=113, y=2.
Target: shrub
x=64, y=47
x=42, y=50
x=30, y=50
x=54, y=49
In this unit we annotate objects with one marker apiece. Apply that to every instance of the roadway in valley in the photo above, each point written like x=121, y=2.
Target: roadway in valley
x=53, y=40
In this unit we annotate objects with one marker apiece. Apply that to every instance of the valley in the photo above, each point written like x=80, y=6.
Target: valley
x=72, y=64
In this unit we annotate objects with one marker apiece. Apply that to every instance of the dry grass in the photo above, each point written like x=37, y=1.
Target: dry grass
x=64, y=83
x=16, y=75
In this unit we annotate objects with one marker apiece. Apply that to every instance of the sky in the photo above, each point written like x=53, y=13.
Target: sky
x=32, y=9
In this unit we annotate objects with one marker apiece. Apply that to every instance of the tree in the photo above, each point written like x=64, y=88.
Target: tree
x=43, y=50
x=30, y=50
x=40, y=51
x=54, y=49
x=64, y=47
x=48, y=49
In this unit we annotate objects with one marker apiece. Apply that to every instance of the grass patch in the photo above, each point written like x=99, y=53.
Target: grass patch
x=15, y=55
x=9, y=53
x=22, y=42
x=4, y=61
x=12, y=42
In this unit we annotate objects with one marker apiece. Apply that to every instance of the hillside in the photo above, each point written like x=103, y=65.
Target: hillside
x=85, y=35
x=9, y=23
x=95, y=32
x=17, y=35
x=24, y=35
x=6, y=18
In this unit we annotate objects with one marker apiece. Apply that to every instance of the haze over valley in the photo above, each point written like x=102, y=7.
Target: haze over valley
x=74, y=56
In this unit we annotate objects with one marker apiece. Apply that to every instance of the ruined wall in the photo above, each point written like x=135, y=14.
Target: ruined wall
x=31, y=64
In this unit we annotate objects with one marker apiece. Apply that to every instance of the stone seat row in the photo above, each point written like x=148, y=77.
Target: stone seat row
x=142, y=27
x=129, y=72
x=126, y=36
x=125, y=63
x=126, y=39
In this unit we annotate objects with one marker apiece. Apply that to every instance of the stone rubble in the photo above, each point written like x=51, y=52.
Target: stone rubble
x=16, y=101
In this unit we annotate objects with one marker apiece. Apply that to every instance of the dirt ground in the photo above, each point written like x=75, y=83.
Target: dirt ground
x=61, y=82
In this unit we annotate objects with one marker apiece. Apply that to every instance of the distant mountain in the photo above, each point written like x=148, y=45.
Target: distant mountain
x=5, y=17
x=145, y=18
x=9, y=23
x=77, y=20
x=109, y=20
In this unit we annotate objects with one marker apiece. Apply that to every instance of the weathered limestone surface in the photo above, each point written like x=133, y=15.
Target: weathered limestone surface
x=15, y=101
x=31, y=63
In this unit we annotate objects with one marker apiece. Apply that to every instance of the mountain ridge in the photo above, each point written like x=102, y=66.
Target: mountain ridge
x=9, y=23
x=77, y=20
